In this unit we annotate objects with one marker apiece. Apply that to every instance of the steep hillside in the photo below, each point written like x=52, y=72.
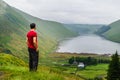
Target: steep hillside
x=102, y=30
x=113, y=33
x=13, y=27
x=49, y=28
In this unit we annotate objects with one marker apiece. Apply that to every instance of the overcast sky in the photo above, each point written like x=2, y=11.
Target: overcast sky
x=71, y=11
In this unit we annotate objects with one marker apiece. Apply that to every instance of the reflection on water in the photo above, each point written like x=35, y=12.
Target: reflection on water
x=89, y=44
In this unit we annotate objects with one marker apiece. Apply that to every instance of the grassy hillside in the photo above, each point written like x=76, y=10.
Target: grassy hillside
x=13, y=68
x=113, y=33
x=14, y=25
x=50, y=28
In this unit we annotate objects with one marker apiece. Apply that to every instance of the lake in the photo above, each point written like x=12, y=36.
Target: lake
x=89, y=44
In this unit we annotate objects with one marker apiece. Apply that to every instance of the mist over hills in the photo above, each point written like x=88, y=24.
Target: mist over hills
x=84, y=28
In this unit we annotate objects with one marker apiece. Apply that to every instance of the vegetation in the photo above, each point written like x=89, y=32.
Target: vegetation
x=90, y=72
x=8, y=59
x=113, y=32
x=51, y=69
x=43, y=73
x=114, y=68
x=88, y=60
x=93, y=71
x=13, y=68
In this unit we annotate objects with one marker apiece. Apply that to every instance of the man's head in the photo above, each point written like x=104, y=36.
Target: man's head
x=33, y=26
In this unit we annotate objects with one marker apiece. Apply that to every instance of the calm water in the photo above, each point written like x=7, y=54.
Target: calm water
x=89, y=44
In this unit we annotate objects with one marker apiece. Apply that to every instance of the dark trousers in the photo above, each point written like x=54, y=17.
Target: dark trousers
x=33, y=59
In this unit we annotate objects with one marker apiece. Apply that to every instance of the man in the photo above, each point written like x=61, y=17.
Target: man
x=32, y=44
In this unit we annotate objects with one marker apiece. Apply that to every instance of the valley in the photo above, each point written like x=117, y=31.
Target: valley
x=58, y=44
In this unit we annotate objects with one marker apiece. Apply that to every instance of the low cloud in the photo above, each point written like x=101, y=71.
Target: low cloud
x=71, y=11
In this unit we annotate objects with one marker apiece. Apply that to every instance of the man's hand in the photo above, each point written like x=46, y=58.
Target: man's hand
x=35, y=43
x=37, y=50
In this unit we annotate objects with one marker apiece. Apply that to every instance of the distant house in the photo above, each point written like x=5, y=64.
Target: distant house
x=75, y=62
x=81, y=65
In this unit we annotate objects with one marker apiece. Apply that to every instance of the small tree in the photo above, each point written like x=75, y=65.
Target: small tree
x=71, y=60
x=114, y=68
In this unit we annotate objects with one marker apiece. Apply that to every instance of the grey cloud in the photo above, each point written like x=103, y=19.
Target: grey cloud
x=71, y=11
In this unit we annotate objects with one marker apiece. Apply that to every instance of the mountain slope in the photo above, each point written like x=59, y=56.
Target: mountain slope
x=114, y=32
x=48, y=27
x=13, y=27
x=102, y=30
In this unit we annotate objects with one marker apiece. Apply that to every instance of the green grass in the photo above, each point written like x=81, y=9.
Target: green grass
x=8, y=59
x=113, y=33
x=43, y=73
x=13, y=68
x=91, y=72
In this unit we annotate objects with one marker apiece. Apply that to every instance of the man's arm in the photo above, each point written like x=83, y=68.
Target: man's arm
x=35, y=43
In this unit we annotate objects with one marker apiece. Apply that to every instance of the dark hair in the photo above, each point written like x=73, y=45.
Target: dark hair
x=32, y=25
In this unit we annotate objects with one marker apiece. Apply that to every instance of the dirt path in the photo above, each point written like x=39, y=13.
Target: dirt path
x=1, y=75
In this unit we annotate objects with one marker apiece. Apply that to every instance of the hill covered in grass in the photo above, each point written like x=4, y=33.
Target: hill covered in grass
x=114, y=32
x=13, y=68
x=14, y=25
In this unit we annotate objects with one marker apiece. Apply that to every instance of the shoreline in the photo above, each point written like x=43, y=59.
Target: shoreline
x=69, y=53
x=89, y=52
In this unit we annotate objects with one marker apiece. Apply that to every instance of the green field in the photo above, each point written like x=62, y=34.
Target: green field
x=90, y=72
x=13, y=68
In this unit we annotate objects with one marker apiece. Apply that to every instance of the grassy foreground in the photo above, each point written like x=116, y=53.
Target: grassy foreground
x=51, y=68
x=43, y=73
x=15, y=69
